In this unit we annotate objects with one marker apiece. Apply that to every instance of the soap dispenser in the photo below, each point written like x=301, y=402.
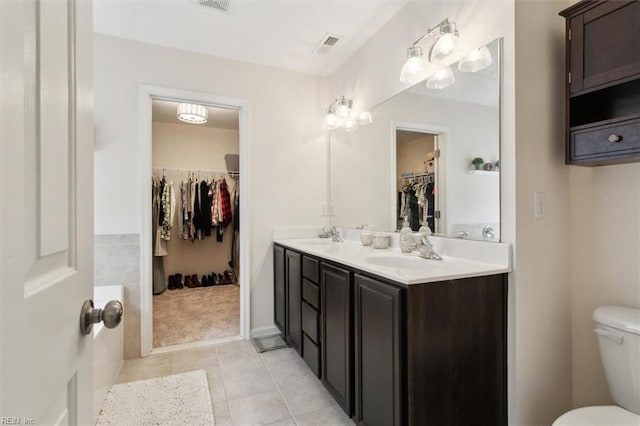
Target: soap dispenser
x=407, y=243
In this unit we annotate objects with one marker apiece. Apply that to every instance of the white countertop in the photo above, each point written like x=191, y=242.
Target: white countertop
x=461, y=258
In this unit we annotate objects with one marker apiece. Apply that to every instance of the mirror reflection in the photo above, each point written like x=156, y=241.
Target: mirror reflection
x=430, y=156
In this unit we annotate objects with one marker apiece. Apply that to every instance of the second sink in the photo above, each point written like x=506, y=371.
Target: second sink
x=402, y=262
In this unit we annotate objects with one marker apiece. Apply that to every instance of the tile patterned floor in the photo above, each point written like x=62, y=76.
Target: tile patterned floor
x=247, y=388
x=196, y=314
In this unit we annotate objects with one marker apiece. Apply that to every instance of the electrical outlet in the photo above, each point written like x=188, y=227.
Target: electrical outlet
x=333, y=210
x=540, y=205
x=323, y=209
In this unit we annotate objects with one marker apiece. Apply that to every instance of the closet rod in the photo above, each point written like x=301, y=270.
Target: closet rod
x=222, y=172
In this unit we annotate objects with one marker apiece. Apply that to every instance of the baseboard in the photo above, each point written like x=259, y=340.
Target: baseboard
x=264, y=331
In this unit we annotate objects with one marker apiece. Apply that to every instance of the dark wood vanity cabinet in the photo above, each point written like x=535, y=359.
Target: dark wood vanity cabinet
x=336, y=288
x=602, y=108
x=396, y=354
x=294, y=297
x=279, y=290
x=379, y=352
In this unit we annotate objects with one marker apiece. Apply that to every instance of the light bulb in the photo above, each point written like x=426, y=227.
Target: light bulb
x=331, y=121
x=477, y=60
x=440, y=79
x=443, y=47
x=414, y=67
x=343, y=111
x=350, y=125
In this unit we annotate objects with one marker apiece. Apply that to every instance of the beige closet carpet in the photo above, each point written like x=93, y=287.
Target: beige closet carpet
x=195, y=314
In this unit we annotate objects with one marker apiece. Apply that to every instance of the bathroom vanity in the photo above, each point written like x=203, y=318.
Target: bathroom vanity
x=397, y=339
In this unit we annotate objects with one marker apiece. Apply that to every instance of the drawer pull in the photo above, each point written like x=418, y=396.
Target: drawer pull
x=614, y=138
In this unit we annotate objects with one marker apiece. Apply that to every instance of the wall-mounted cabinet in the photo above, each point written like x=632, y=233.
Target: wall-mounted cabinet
x=602, y=93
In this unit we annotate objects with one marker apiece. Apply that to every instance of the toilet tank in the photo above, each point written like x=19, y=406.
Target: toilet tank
x=618, y=330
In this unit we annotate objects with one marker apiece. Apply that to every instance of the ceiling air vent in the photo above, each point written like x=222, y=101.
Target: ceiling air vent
x=326, y=43
x=216, y=4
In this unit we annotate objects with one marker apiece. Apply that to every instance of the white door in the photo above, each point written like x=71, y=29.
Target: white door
x=46, y=167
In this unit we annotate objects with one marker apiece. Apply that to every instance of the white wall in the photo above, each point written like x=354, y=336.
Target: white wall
x=288, y=148
x=542, y=286
x=605, y=263
x=193, y=147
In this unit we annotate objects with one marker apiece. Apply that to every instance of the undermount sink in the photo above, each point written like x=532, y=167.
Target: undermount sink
x=402, y=262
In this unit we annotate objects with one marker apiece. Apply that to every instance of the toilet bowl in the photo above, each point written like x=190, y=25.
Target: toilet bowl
x=618, y=330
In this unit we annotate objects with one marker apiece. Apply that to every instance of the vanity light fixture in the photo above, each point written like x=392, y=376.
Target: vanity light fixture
x=440, y=79
x=340, y=115
x=477, y=60
x=192, y=113
x=446, y=43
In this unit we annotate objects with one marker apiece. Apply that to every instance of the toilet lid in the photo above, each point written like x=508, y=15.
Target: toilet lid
x=609, y=415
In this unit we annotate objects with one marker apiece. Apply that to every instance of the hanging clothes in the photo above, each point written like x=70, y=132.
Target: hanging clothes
x=159, y=245
x=234, y=263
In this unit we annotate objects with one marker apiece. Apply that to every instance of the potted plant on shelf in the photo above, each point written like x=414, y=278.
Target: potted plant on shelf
x=477, y=163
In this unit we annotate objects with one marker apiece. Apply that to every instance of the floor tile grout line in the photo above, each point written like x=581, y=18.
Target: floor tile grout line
x=226, y=400
x=278, y=389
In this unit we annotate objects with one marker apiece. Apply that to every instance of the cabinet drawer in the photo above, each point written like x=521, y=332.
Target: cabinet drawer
x=310, y=268
x=311, y=354
x=310, y=322
x=594, y=143
x=311, y=293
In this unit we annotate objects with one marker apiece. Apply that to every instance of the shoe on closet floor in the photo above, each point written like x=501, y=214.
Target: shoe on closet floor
x=194, y=279
x=205, y=281
x=171, y=283
x=177, y=281
x=210, y=280
x=188, y=282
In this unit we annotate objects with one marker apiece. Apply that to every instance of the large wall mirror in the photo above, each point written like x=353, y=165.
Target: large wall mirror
x=416, y=159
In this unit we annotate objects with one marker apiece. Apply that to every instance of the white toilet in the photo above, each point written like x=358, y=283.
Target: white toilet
x=618, y=331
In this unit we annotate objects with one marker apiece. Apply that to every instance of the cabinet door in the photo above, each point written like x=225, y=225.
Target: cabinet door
x=378, y=331
x=279, y=290
x=336, y=345
x=604, y=44
x=294, y=298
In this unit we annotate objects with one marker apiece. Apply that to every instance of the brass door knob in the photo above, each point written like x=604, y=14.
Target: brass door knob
x=613, y=138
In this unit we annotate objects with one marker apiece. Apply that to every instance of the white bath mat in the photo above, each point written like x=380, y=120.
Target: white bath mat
x=181, y=399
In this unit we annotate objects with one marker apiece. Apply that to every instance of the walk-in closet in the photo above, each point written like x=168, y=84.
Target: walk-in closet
x=196, y=184
x=416, y=179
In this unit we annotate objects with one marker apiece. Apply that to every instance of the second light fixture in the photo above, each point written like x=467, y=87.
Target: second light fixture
x=340, y=115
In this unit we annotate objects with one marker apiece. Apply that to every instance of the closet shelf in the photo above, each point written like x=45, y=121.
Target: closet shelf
x=203, y=171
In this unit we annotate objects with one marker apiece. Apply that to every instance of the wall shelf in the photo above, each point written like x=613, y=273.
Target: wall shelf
x=484, y=172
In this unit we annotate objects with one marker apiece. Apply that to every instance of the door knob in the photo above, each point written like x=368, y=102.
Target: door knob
x=111, y=315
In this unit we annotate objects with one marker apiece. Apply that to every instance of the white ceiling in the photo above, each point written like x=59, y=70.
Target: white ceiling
x=279, y=33
x=220, y=118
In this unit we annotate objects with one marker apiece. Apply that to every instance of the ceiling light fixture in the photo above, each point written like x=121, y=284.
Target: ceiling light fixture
x=446, y=44
x=340, y=115
x=440, y=79
x=192, y=113
x=477, y=60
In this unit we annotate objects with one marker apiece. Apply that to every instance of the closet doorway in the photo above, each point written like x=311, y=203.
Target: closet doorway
x=419, y=190
x=196, y=255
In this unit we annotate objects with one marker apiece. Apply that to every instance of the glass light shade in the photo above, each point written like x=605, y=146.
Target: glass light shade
x=192, y=113
x=364, y=118
x=414, y=67
x=350, y=124
x=331, y=121
x=443, y=47
x=440, y=79
x=343, y=111
x=477, y=60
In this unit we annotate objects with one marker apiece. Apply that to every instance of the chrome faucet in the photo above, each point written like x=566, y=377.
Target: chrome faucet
x=426, y=249
x=330, y=231
x=335, y=235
